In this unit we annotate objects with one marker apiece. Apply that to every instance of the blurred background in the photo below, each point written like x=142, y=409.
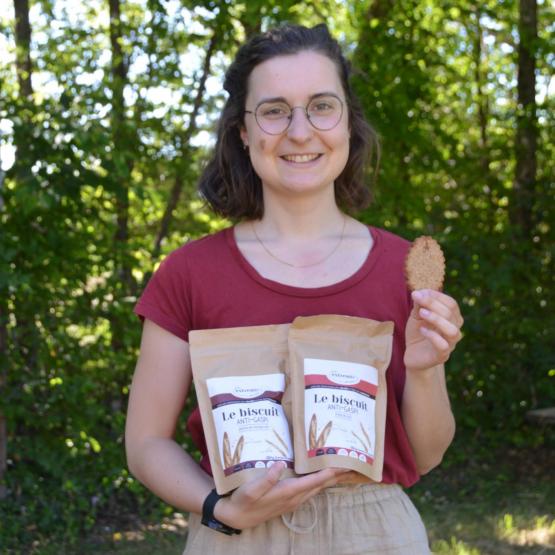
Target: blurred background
x=107, y=114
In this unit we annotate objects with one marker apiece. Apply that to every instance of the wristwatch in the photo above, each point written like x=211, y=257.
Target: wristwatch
x=208, y=518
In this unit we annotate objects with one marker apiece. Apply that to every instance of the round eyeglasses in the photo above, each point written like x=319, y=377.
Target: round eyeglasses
x=274, y=117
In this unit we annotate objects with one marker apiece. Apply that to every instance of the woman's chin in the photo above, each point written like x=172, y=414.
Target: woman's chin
x=301, y=187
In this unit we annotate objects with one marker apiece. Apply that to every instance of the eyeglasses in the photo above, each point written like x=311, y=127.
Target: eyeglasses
x=323, y=112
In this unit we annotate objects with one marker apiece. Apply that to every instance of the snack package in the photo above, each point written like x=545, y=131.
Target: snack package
x=339, y=392
x=239, y=376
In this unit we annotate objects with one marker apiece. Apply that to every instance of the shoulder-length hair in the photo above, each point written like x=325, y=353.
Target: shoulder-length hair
x=229, y=183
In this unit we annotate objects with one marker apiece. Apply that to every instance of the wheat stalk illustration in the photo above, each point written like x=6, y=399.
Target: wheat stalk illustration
x=312, y=430
x=360, y=440
x=281, y=440
x=321, y=441
x=277, y=448
x=228, y=459
x=238, y=450
x=367, y=436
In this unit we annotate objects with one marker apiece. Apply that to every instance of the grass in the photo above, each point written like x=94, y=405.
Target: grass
x=502, y=505
x=165, y=538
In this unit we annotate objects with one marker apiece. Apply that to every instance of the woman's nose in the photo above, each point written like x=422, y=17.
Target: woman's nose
x=300, y=127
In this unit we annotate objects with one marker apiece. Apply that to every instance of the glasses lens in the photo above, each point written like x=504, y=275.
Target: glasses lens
x=273, y=117
x=325, y=112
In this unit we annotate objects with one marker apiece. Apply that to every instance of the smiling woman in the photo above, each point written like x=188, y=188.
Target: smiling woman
x=289, y=161
x=229, y=184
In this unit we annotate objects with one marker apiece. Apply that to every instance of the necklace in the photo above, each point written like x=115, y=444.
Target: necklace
x=302, y=265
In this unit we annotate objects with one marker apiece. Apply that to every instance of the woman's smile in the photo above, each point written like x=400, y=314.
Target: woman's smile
x=303, y=159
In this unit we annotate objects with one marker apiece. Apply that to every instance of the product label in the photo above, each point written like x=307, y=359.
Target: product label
x=250, y=423
x=340, y=403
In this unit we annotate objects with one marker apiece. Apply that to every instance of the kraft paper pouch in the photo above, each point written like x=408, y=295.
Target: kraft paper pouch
x=339, y=392
x=239, y=376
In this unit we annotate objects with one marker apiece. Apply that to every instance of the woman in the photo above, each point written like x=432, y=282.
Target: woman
x=289, y=158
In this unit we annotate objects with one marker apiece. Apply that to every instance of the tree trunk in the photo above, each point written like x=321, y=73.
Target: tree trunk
x=3, y=379
x=23, y=47
x=23, y=69
x=483, y=112
x=482, y=99
x=123, y=141
x=380, y=9
x=179, y=182
x=526, y=134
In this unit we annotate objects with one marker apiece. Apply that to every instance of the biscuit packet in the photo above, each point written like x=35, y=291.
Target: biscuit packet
x=339, y=392
x=239, y=376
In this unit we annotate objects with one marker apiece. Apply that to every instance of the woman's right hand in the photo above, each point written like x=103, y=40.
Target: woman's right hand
x=267, y=497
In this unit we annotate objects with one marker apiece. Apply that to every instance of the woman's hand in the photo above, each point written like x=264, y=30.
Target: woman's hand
x=267, y=497
x=433, y=329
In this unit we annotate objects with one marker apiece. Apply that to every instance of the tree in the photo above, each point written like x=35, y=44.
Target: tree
x=527, y=134
x=24, y=71
x=23, y=47
x=185, y=141
x=123, y=141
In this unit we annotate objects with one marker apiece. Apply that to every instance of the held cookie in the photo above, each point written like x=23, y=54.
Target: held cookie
x=425, y=264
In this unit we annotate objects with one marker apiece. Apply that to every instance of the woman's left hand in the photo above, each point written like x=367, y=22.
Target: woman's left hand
x=433, y=329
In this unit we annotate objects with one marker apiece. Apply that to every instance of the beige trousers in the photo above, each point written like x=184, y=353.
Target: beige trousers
x=348, y=520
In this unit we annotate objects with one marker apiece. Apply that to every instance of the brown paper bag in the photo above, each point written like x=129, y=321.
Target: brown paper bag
x=339, y=392
x=239, y=376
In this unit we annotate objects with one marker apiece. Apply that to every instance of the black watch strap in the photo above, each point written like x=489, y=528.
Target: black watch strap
x=208, y=518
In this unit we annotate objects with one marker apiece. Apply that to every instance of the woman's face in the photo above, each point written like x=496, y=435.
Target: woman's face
x=301, y=159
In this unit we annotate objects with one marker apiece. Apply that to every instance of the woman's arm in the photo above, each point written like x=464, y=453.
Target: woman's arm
x=432, y=332
x=427, y=416
x=158, y=392
x=160, y=386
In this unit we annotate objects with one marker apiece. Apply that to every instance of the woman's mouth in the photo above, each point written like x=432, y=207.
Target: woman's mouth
x=301, y=158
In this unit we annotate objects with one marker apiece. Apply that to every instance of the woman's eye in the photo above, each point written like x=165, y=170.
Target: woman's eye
x=321, y=107
x=274, y=111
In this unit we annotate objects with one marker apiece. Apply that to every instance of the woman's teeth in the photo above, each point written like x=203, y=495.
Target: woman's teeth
x=299, y=158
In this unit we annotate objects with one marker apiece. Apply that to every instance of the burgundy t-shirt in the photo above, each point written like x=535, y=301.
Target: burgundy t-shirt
x=209, y=284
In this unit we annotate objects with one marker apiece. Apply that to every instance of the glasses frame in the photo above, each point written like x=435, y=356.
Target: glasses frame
x=304, y=108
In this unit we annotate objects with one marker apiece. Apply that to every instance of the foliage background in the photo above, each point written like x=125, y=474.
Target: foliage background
x=103, y=137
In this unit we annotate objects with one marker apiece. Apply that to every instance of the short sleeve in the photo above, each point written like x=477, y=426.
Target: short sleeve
x=165, y=300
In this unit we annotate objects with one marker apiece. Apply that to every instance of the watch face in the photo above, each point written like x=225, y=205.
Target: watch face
x=220, y=527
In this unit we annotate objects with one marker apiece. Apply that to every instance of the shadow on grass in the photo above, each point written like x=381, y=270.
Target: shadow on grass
x=503, y=505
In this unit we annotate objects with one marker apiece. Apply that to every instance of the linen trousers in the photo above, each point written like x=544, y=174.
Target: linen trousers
x=343, y=520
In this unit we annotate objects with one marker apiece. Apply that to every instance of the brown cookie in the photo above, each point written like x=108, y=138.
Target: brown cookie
x=425, y=264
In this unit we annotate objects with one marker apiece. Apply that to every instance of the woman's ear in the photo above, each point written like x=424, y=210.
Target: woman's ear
x=244, y=136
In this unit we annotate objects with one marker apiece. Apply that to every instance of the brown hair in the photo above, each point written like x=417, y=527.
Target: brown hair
x=229, y=183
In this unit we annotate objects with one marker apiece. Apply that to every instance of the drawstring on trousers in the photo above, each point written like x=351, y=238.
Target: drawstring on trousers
x=296, y=529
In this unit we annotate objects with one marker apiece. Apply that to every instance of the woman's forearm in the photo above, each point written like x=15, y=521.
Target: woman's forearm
x=427, y=416
x=169, y=472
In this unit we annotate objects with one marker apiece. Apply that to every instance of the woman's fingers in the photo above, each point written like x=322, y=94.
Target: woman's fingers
x=438, y=304
x=433, y=329
x=450, y=331
x=441, y=345
x=259, y=487
x=298, y=489
x=266, y=497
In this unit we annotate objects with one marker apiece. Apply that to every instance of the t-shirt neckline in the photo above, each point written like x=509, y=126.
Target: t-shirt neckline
x=293, y=290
